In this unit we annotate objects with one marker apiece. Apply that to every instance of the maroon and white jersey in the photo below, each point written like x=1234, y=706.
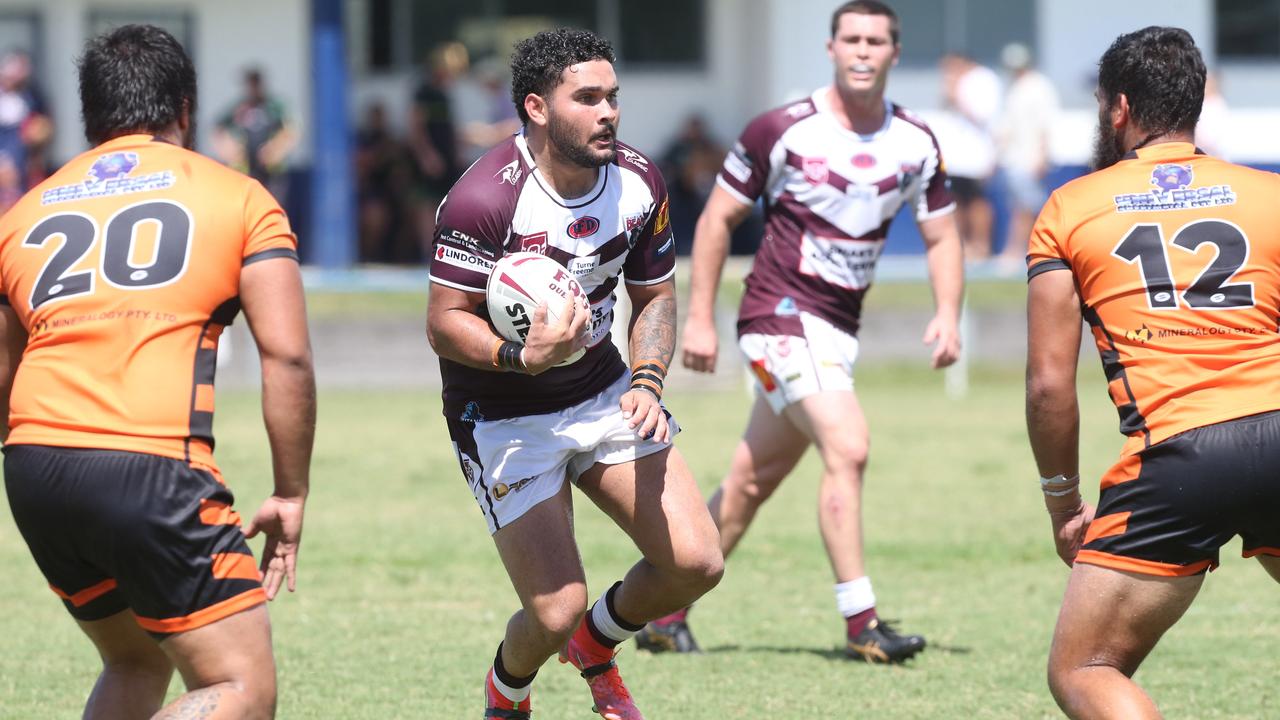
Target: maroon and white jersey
x=829, y=196
x=503, y=204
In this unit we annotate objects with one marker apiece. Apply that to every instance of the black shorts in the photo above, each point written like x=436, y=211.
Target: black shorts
x=1168, y=509
x=113, y=530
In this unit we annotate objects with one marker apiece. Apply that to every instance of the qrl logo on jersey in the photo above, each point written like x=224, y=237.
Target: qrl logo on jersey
x=815, y=170
x=535, y=243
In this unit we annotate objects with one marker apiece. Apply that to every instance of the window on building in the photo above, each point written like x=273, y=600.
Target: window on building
x=1247, y=29
x=399, y=34
x=977, y=28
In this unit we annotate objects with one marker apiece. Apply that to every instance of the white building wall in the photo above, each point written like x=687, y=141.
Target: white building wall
x=229, y=35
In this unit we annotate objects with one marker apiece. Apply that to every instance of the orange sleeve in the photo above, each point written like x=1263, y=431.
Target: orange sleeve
x=267, y=231
x=1045, y=249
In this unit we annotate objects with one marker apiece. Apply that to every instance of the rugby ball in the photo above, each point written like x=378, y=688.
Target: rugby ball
x=522, y=281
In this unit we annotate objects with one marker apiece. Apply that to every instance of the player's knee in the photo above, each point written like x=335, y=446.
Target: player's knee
x=153, y=668
x=558, y=615
x=700, y=570
x=846, y=458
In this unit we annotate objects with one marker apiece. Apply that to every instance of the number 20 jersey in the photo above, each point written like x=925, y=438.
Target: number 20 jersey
x=1176, y=257
x=124, y=267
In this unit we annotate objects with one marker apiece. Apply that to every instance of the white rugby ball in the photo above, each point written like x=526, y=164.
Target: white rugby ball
x=522, y=281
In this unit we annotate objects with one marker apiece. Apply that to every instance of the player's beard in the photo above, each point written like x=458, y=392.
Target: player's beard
x=1107, y=150
x=563, y=138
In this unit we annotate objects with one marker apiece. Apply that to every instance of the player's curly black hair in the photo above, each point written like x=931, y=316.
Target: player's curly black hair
x=1162, y=73
x=134, y=79
x=538, y=63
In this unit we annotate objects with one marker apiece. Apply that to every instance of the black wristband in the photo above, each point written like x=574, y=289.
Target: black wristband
x=638, y=376
x=509, y=356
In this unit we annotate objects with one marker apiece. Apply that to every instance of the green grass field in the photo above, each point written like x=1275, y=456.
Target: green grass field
x=402, y=600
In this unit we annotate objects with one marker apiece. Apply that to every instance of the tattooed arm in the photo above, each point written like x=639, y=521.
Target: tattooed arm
x=653, y=341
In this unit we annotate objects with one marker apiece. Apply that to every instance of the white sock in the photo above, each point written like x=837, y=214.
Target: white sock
x=515, y=695
x=606, y=623
x=855, y=596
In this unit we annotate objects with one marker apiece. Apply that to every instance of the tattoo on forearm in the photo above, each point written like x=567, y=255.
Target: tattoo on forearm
x=653, y=335
x=195, y=705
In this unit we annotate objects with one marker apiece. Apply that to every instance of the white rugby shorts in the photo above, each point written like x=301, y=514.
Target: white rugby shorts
x=516, y=463
x=789, y=368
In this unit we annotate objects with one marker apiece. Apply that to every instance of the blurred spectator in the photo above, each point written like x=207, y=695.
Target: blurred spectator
x=971, y=95
x=25, y=127
x=433, y=139
x=500, y=118
x=1025, y=128
x=690, y=164
x=255, y=136
x=1211, y=131
x=384, y=174
x=10, y=183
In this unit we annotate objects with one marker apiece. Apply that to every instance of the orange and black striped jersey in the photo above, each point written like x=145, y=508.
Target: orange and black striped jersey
x=124, y=267
x=1176, y=257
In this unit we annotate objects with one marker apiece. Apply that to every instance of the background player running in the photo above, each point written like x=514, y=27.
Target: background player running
x=833, y=170
x=1170, y=256
x=119, y=273
x=521, y=426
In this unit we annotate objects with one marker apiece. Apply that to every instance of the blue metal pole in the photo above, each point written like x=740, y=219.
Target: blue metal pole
x=332, y=192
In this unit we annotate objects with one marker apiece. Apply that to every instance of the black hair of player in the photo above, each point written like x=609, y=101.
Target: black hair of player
x=1161, y=72
x=866, y=7
x=134, y=79
x=538, y=63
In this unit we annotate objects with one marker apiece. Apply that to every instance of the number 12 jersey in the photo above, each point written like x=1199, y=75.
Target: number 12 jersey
x=1176, y=257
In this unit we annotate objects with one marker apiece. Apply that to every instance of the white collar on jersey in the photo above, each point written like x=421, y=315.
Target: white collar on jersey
x=819, y=98
x=601, y=177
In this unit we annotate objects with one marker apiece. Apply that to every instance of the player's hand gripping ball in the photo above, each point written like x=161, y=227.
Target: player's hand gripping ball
x=519, y=283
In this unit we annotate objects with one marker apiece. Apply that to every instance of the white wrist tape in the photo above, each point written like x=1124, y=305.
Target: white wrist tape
x=1060, y=485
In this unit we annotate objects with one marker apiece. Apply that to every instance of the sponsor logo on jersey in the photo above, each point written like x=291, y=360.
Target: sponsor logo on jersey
x=786, y=307
x=1171, y=176
x=666, y=246
x=1173, y=191
x=864, y=160
x=664, y=219
x=466, y=242
x=584, y=265
x=109, y=175
x=112, y=166
x=583, y=227
x=535, y=243
x=633, y=157
x=510, y=173
x=1141, y=335
x=462, y=259
x=634, y=221
x=501, y=490
x=815, y=170
x=471, y=412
